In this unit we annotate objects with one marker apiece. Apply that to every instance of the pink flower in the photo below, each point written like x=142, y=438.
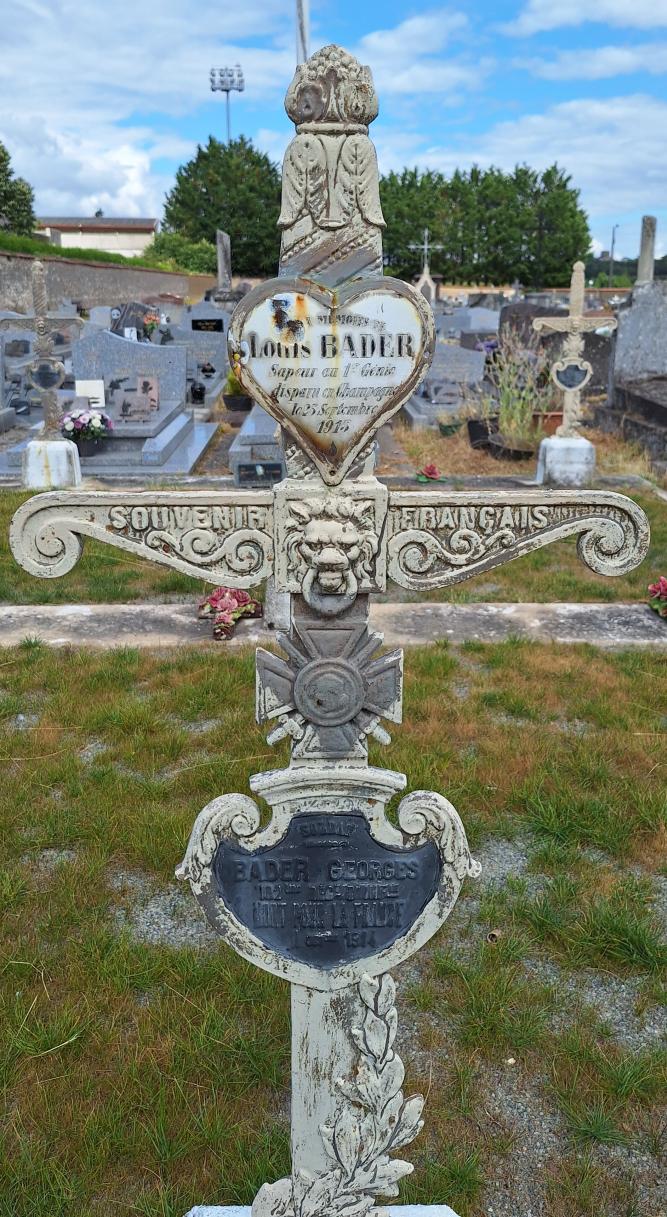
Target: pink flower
x=659, y=589
x=431, y=471
x=242, y=598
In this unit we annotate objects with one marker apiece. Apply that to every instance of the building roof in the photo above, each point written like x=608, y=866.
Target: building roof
x=98, y=223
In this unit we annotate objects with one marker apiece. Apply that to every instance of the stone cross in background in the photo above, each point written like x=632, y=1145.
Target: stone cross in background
x=425, y=283
x=425, y=248
x=49, y=461
x=330, y=895
x=571, y=372
x=566, y=458
x=46, y=372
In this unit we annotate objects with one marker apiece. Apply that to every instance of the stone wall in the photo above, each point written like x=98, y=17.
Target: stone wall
x=89, y=283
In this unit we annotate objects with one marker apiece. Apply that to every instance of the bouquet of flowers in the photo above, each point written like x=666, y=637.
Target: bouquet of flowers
x=658, y=596
x=226, y=605
x=86, y=424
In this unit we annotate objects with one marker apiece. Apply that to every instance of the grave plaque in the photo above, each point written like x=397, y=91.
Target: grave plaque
x=330, y=894
x=332, y=365
x=209, y=325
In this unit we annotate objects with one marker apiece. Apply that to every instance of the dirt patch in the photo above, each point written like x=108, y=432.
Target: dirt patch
x=159, y=915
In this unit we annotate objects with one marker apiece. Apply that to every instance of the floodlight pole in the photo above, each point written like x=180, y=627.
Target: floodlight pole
x=226, y=80
x=302, y=30
x=611, y=255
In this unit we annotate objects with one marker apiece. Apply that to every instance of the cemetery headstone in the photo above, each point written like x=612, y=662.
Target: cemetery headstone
x=256, y=455
x=7, y=415
x=566, y=458
x=203, y=331
x=224, y=252
x=330, y=895
x=455, y=372
x=646, y=264
x=145, y=392
x=135, y=320
x=637, y=405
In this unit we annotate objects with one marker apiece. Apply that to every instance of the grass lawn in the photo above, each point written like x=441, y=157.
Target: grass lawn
x=145, y=1067
x=108, y=575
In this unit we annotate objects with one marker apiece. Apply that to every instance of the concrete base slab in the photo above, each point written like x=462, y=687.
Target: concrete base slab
x=612, y=626
x=51, y=464
x=395, y=1210
x=565, y=461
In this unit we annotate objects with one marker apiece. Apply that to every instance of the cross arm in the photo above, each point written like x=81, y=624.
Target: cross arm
x=419, y=539
x=221, y=537
x=51, y=324
x=437, y=538
x=572, y=325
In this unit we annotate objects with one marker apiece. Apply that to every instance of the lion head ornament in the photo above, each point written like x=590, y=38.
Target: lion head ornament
x=331, y=544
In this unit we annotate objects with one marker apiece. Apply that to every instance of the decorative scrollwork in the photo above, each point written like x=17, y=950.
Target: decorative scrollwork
x=222, y=538
x=430, y=817
x=234, y=815
x=374, y=1121
x=438, y=539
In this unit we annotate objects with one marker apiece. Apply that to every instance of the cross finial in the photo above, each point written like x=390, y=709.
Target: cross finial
x=571, y=372
x=425, y=248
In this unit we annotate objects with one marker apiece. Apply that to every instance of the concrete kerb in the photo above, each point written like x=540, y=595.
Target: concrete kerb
x=153, y=626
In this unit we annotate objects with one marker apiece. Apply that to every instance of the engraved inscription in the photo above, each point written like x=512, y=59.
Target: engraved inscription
x=328, y=893
x=137, y=520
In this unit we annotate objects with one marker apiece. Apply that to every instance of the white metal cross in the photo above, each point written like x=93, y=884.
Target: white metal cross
x=571, y=372
x=425, y=247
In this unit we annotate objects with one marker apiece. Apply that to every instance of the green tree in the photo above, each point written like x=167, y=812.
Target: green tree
x=233, y=187
x=411, y=201
x=173, y=251
x=493, y=227
x=620, y=279
x=16, y=199
x=560, y=234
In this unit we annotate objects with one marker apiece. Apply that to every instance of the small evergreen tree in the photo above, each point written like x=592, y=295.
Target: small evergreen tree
x=233, y=187
x=16, y=199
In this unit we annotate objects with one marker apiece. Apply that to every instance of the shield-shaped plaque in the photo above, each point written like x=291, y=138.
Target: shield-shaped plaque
x=328, y=893
x=331, y=365
x=571, y=374
x=46, y=374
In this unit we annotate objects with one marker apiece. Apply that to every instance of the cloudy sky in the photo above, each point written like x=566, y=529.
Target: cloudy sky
x=100, y=102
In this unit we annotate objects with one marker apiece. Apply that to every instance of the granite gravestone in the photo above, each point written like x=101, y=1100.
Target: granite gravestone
x=145, y=391
x=256, y=454
x=223, y=246
x=454, y=373
x=330, y=894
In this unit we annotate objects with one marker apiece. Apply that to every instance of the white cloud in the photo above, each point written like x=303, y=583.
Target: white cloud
x=73, y=78
x=409, y=39
x=614, y=150
x=601, y=62
x=538, y=16
x=404, y=59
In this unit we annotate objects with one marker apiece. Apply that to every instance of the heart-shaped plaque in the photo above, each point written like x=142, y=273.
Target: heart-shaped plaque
x=571, y=375
x=331, y=365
